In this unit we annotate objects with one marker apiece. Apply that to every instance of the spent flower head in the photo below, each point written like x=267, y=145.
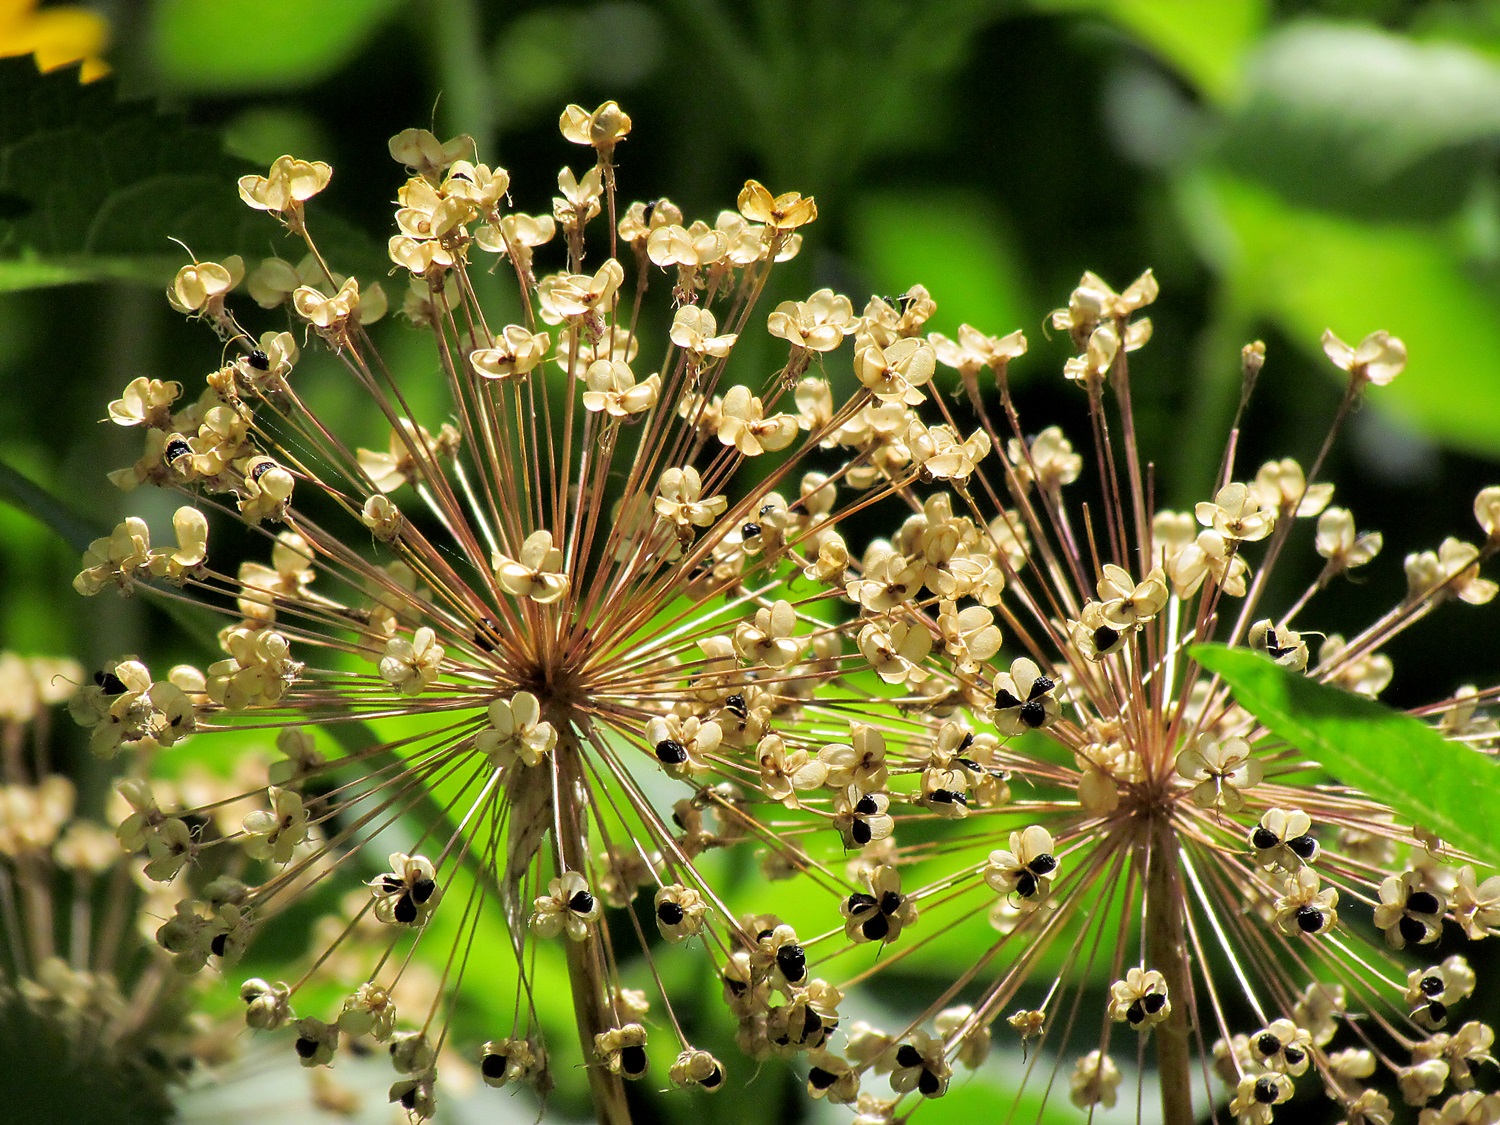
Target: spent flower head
x=590, y=624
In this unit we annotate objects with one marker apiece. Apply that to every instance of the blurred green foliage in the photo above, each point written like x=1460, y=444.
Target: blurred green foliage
x=1284, y=166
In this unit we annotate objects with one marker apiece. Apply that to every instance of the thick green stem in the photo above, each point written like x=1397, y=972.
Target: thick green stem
x=1166, y=952
x=585, y=966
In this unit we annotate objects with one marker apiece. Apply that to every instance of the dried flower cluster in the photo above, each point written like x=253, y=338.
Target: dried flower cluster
x=600, y=620
x=87, y=1001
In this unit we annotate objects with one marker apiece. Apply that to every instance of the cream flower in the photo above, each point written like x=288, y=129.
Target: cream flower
x=768, y=640
x=781, y=213
x=1237, y=514
x=289, y=184
x=567, y=906
x=693, y=330
x=1221, y=770
x=516, y=732
x=612, y=389
x=1026, y=869
x=818, y=324
x=743, y=424
x=1140, y=999
x=516, y=351
x=411, y=666
x=1024, y=698
x=273, y=835
x=537, y=574
x=1378, y=359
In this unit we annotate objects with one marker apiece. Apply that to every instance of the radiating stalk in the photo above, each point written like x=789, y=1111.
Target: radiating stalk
x=584, y=966
x=1166, y=952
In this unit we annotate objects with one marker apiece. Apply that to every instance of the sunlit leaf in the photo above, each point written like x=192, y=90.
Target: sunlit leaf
x=1308, y=270
x=91, y=187
x=1364, y=121
x=1204, y=40
x=1443, y=786
x=260, y=44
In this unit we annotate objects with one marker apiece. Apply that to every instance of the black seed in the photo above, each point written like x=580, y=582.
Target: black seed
x=970, y=764
x=1303, y=847
x=1026, y=885
x=1293, y=1055
x=715, y=1076
x=1033, y=713
x=860, y=833
x=1432, y=986
x=792, y=961
x=1135, y=1013
x=735, y=986
x=1105, y=638
x=1043, y=864
x=1278, y=651
x=409, y=1098
x=890, y=902
x=1154, y=1002
x=1309, y=919
x=486, y=635
x=259, y=360
x=1423, y=902
x=670, y=913
x=307, y=1048
x=928, y=1084
x=109, y=683
x=820, y=1079
x=671, y=752
x=494, y=1066
x=406, y=910
x=633, y=1061
x=648, y=211
x=736, y=703
x=1268, y=1044
x=764, y=934
x=907, y=1055
x=581, y=902
x=1040, y=687
x=1004, y=699
x=967, y=742
x=750, y=531
x=218, y=943
x=1266, y=1091
x=812, y=1023
x=176, y=448
x=422, y=890
x=860, y=901
x=866, y=806
x=1411, y=929
x=1437, y=1012
x=876, y=928
x=943, y=796
x=390, y=884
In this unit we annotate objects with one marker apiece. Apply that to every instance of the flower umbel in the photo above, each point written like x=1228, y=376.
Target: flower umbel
x=586, y=651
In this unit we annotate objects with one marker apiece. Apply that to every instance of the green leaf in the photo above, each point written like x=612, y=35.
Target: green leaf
x=1204, y=40
x=1400, y=761
x=91, y=187
x=1364, y=121
x=1308, y=270
x=27, y=496
x=260, y=44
